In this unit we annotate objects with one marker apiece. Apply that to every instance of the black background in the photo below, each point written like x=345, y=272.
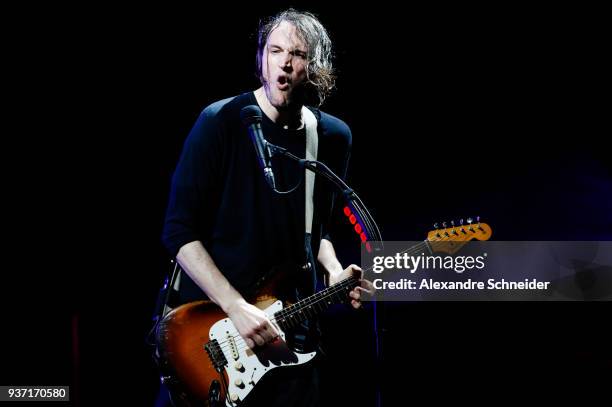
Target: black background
x=455, y=112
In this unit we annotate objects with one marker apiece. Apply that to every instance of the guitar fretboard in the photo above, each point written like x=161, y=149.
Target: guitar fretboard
x=309, y=307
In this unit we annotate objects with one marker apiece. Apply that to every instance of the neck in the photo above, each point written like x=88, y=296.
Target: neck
x=289, y=118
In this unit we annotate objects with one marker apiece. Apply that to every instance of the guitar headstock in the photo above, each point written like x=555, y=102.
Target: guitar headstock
x=450, y=239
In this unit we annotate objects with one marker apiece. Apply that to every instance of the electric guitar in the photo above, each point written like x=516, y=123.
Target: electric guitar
x=205, y=361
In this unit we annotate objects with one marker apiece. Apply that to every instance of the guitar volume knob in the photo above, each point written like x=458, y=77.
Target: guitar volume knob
x=238, y=366
x=239, y=383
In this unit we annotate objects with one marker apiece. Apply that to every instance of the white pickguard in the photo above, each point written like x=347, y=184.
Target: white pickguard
x=254, y=364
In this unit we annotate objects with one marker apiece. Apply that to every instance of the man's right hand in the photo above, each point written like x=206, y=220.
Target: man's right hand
x=252, y=323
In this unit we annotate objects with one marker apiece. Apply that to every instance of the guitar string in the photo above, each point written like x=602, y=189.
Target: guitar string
x=337, y=288
x=226, y=345
x=240, y=343
x=238, y=340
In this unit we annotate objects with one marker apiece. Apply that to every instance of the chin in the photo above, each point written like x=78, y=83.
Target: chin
x=281, y=102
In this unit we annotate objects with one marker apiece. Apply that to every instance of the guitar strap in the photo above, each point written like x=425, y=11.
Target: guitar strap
x=312, y=146
x=301, y=337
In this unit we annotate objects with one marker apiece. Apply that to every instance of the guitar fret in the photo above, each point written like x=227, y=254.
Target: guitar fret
x=306, y=308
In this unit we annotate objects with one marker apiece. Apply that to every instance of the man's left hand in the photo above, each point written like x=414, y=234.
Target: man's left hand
x=364, y=288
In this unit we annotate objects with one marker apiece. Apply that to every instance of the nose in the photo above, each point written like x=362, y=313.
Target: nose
x=286, y=61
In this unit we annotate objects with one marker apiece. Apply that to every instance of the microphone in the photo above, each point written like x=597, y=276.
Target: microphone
x=251, y=117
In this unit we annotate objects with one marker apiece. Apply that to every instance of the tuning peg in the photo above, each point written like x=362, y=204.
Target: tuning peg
x=436, y=225
x=453, y=225
x=461, y=222
x=444, y=225
x=469, y=220
x=478, y=219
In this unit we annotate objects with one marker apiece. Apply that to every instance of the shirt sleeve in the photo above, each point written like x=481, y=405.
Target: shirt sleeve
x=195, y=185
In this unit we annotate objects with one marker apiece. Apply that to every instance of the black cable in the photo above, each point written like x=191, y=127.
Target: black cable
x=351, y=196
x=292, y=189
x=354, y=197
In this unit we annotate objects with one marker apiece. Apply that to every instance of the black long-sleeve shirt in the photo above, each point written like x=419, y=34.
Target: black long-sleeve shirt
x=219, y=195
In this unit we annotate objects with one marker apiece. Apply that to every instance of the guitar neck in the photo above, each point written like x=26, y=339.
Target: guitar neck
x=313, y=305
x=447, y=240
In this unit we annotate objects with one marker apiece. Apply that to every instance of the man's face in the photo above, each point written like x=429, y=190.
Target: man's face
x=284, y=63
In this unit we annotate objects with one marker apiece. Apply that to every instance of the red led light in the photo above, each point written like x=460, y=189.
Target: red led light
x=358, y=228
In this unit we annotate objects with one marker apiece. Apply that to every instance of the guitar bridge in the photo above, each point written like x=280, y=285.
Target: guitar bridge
x=215, y=354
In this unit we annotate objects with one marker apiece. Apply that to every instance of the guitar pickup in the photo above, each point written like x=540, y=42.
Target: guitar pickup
x=233, y=347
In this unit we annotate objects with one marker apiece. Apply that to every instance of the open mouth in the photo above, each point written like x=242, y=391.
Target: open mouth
x=282, y=83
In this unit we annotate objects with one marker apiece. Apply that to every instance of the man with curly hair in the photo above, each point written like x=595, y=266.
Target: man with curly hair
x=227, y=228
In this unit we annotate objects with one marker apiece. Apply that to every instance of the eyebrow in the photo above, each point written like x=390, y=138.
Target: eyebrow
x=295, y=50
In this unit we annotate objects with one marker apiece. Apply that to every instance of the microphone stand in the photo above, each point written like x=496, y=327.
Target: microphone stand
x=319, y=168
x=363, y=215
